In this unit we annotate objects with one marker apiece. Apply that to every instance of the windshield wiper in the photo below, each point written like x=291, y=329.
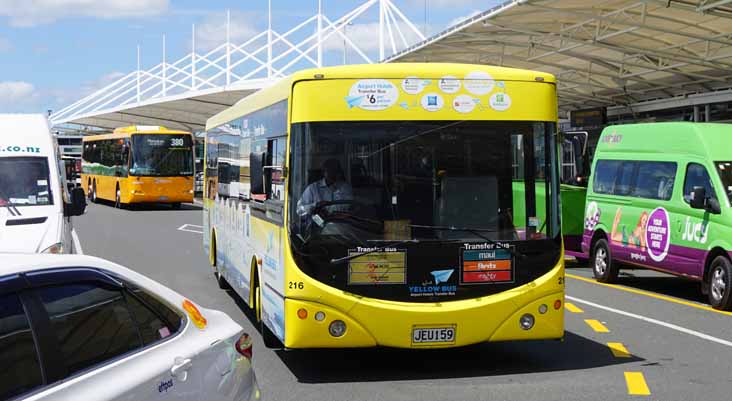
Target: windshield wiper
x=383, y=247
x=10, y=205
x=475, y=231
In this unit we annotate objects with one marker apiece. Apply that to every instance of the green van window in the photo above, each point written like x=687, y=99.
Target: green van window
x=605, y=173
x=725, y=174
x=697, y=176
x=626, y=175
x=655, y=180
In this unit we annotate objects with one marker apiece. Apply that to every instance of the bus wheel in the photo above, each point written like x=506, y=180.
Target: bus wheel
x=270, y=340
x=94, y=192
x=720, y=288
x=602, y=262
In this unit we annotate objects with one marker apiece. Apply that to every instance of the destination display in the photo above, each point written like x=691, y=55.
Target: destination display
x=387, y=266
x=486, y=263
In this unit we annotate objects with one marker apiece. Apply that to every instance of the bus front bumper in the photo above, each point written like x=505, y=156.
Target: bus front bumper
x=371, y=323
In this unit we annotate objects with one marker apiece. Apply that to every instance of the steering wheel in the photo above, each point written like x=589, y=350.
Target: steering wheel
x=321, y=211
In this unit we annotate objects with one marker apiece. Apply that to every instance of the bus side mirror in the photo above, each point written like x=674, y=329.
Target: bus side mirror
x=256, y=165
x=698, y=197
x=78, y=203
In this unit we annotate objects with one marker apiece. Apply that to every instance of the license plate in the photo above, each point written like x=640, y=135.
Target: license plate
x=163, y=198
x=428, y=335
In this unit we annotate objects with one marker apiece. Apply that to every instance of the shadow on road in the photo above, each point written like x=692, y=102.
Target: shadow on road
x=678, y=287
x=161, y=207
x=488, y=359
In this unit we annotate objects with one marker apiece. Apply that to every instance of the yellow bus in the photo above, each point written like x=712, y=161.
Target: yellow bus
x=139, y=164
x=399, y=205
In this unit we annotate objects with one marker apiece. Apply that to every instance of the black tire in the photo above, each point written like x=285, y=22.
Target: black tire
x=94, y=193
x=89, y=191
x=175, y=205
x=720, y=284
x=603, y=267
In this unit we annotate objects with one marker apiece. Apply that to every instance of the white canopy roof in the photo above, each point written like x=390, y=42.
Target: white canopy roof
x=603, y=52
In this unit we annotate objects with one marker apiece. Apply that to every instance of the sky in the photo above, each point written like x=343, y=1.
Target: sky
x=54, y=52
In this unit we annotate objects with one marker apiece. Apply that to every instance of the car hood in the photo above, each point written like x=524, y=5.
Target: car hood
x=29, y=229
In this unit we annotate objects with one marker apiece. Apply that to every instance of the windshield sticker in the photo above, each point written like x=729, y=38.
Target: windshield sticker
x=432, y=102
x=437, y=285
x=464, y=103
x=20, y=149
x=449, y=84
x=500, y=101
x=479, y=83
x=372, y=95
x=414, y=85
x=388, y=266
x=42, y=183
x=486, y=264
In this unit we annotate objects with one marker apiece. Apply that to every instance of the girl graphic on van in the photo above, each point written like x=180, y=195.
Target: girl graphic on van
x=632, y=239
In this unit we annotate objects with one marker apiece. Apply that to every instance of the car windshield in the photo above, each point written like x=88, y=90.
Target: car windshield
x=24, y=181
x=724, y=169
x=161, y=155
x=461, y=180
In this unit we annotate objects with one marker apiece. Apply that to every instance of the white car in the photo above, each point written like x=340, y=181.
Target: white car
x=76, y=327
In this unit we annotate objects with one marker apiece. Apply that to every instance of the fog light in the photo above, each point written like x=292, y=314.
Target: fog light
x=543, y=308
x=527, y=321
x=302, y=313
x=557, y=304
x=320, y=316
x=337, y=328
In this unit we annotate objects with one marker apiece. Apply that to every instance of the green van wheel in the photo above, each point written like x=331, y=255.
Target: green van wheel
x=720, y=290
x=603, y=268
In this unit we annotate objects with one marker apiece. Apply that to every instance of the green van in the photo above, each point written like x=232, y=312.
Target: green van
x=659, y=197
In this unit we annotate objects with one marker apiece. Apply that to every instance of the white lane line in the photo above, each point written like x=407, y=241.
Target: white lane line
x=191, y=228
x=654, y=321
x=77, y=243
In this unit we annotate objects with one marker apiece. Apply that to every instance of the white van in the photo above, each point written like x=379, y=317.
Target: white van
x=35, y=203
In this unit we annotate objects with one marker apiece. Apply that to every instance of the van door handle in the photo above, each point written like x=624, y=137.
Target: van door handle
x=179, y=370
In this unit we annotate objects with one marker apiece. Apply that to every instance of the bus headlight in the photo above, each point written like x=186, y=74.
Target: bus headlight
x=527, y=321
x=337, y=328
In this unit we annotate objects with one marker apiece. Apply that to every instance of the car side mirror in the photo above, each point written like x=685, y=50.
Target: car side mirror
x=713, y=206
x=78, y=203
x=698, y=198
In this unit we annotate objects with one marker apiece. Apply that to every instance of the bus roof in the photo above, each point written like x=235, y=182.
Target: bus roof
x=708, y=140
x=124, y=132
x=281, y=90
x=26, y=130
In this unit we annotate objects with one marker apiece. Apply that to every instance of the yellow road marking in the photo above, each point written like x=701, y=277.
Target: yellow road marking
x=636, y=383
x=649, y=294
x=619, y=350
x=596, y=325
x=572, y=308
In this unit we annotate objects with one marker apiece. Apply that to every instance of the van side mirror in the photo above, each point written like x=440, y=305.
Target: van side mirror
x=698, y=198
x=256, y=166
x=713, y=206
x=78, y=203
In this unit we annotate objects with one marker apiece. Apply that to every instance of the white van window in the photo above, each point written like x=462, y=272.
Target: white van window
x=24, y=181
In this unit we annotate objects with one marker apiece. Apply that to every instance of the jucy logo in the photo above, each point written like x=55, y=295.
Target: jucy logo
x=695, y=231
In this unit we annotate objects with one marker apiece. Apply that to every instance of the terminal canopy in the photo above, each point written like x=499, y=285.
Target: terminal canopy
x=603, y=52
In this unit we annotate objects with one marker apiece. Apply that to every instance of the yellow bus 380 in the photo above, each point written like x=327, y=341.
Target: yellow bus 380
x=401, y=205
x=139, y=164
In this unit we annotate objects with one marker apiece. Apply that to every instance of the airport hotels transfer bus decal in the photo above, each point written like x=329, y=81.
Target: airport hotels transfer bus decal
x=391, y=205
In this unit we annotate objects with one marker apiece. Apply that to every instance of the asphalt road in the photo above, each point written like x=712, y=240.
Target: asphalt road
x=677, y=348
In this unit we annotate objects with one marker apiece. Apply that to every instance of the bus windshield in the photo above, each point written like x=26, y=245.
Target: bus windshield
x=24, y=181
x=361, y=185
x=161, y=155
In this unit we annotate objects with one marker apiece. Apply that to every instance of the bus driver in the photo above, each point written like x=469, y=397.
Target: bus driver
x=332, y=187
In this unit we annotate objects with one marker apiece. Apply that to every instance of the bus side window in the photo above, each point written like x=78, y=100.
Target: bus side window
x=276, y=150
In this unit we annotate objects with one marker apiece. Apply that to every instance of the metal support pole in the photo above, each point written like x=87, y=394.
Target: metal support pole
x=228, y=47
x=165, y=71
x=696, y=114
x=320, y=33
x=707, y=112
x=138, y=73
x=269, y=39
x=193, y=57
x=381, y=30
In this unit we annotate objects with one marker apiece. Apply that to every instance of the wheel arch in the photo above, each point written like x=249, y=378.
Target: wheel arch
x=711, y=255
